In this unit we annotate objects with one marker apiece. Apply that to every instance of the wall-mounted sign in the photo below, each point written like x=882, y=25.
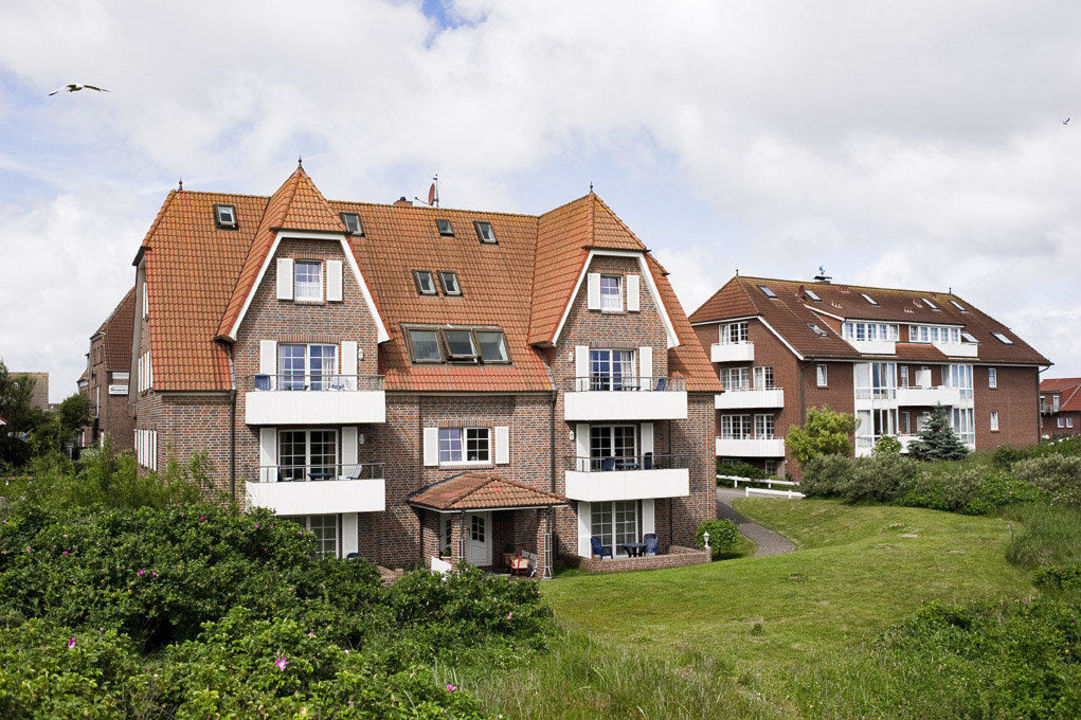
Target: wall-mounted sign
x=118, y=376
x=118, y=389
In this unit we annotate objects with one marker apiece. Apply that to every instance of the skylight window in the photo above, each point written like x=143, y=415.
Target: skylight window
x=493, y=346
x=818, y=331
x=444, y=227
x=460, y=345
x=929, y=304
x=767, y=290
x=485, y=232
x=425, y=344
x=1002, y=338
x=425, y=282
x=449, y=280
x=968, y=337
x=352, y=223
x=958, y=305
x=225, y=216
x=812, y=294
x=868, y=298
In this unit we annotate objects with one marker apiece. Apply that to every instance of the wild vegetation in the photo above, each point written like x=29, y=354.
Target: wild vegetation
x=29, y=431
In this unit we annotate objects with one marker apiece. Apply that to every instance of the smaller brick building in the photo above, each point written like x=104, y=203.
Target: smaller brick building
x=105, y=381
x=1060, y=407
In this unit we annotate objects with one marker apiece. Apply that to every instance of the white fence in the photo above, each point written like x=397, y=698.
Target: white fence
x=768, y=490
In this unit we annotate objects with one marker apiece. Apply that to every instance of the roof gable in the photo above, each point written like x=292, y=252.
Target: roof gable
x=475, y=491
x=117, y=330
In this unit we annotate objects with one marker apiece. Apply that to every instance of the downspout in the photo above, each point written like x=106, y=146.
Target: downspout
x=232, y=425
x=552, y=438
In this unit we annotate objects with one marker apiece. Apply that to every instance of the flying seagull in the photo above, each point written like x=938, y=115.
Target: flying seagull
x=1066, y=121
x=75, y=87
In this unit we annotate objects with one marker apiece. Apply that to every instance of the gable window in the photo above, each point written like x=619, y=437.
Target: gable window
x=992, y=377
x=307, y=366
x=493, y=346
x=425, y=344
x=225, y=217
x=868, y=298
x=611, y=369
x=611, y=293
x=1002, y=338
x=308, y=280
x=444, y=227
x=352, y=223
x=820, y=374
x=485, y=232
x=425, y=282
x=994, y=421
x=734, y=333
x=465, y=445
x=449, y=280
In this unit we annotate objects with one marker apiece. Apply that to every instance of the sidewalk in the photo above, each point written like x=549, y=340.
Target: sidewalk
x=769, y=542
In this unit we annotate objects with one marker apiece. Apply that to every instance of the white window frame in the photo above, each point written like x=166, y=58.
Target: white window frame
x=994, y=421
x=325, y=376
x=736, y=378
x=427, y=287
x=733, y=333
x=611, y=300
x=458, y=452
x=736, y=427
x=610, y=451
x=763, y=377
x=822, y=375
x=1069, y=422
x=307, y=466
x=609, y=508
x=321, y=551
x=765, y=425
x=992, y=377
x=305, y=291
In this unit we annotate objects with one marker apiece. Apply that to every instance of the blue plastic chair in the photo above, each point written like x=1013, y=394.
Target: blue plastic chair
x=352, y=556
x=662, y=384
x=647, y=461
x=600, y=550
x=608, y=464
x=262, y=382
x=651, y=544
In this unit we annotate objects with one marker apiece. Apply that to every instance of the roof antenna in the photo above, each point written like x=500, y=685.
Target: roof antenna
x=590, y=187
x=181, y=183
x=822, y=277
x=433, y=193
x=300, y=161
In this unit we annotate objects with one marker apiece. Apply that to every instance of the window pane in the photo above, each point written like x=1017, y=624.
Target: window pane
x=602, y=522
x=292, y=454
x=611, y=297
x=291, y=368
x=425, y=282
x=308, y=280
x=460, y=343
x=476, y=448
x=493, y=346
x=323, y=454
x=325, y=528
x=450, y=282
x=425, y=346
x=322, y=362
x=450, y=445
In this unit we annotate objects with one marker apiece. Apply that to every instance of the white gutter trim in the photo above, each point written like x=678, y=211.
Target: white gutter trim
x=819, y=311
x=778, y=336
x=724, y=320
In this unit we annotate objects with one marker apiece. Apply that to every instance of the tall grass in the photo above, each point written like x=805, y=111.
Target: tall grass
x=1049, y=535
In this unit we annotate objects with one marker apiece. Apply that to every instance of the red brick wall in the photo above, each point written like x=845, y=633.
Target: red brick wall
x=1017, y=401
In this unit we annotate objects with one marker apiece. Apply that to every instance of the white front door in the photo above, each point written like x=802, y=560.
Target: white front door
x=478, y=539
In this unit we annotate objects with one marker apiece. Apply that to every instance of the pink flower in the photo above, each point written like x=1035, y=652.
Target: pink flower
x=64, y=553
x=27, y=548
x=256, y=526
x=71, y=643
x=452, y=688
x=281, y=663
x=510, y=615
x=140, y=572
x=311, y=634
x=153, y=574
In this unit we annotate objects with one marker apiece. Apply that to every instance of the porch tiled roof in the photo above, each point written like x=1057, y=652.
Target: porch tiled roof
x=476, y=491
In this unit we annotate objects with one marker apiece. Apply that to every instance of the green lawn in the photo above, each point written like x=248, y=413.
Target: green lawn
x=774, y=636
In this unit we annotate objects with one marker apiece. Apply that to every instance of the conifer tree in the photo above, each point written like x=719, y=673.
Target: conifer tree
x=937, y=440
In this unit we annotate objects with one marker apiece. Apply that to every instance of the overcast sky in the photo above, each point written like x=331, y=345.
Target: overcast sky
x=897, y=143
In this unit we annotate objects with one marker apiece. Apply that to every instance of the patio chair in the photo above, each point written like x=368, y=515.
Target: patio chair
x=608, y=464
x=651, y=544
x=662, y=384
x=262, y=382
x=352, y=556
x=354, y=475
x=600, y=550
x=647, y=461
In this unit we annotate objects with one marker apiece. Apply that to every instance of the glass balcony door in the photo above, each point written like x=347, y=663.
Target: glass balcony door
x=307, y=454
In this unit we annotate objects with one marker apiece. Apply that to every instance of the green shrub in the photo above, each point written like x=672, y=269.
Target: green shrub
x=741, y=469
x=881, y=478
x=724, y=537
x=1057, y=475
x=824, y=475
x=825, y=432
x=887, y=445
x=1059, y=578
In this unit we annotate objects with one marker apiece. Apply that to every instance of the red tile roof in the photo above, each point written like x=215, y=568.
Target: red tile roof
x=1067, y=388
x=200, y=277
x=476, y=491
x=792, y=309
x=117, y=329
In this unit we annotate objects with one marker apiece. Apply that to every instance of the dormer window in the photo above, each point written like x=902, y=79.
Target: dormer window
x=225, y=217
x=485, y=232
x=868, y=298
x=929, y=304
x=352, y=223
x=1002, y=338
x=449, y=280
x=425, y=282
x=767, y=291
x=444, y=227
x=958, y=305
x=425, y=346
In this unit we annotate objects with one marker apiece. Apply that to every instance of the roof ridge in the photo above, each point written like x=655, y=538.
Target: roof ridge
x=115, y=310
x=618, y=219
x=813, y=284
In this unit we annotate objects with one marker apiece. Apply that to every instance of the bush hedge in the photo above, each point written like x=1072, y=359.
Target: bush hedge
x=724, y=537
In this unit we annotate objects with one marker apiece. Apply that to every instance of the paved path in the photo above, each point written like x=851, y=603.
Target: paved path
x=769, y=542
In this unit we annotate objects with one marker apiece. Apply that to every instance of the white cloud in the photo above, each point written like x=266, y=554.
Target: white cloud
x=909, y=143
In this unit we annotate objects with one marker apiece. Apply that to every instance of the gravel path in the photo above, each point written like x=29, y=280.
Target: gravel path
x=769, y=542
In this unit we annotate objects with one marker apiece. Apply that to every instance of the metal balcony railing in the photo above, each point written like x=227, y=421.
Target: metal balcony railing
x=749, y=388
x=625, y=383
x=316, y=382
x=320, y=472
x=645, y=461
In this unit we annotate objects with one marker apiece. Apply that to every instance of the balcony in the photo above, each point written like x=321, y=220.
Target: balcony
x=874, y=347
x=731, y=352
x=625, y=398
x=315, y=399
x=750, y=447
x=928, y=396
x=318, y=490
x=633, y=477
x=965, y=350
x=749, y=398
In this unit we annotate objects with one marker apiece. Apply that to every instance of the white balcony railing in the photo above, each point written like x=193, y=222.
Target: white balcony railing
x=927, y=396
x=627, y=478
x=740, y=398
x=966, y=350
x=625, y=398
x=874, y=347
x=731, y=352
x=318, y=489
x=315, y=399
x=750, y=447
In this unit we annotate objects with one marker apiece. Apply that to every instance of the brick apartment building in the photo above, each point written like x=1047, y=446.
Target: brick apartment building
x=105, y=380
x=886, y=356
x=405, y=380
x=1060, y=407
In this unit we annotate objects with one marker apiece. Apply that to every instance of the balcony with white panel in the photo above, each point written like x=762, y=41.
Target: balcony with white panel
x=928, y=395
x=965, y=350
x=589, y=399
x=874, y=347
x=315, y=400
x=750, y=447
x=318, y=489
x=639, y=477
x=750, y=398
x=731, y=352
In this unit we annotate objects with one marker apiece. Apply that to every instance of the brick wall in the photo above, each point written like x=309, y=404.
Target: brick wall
x=1016, y=399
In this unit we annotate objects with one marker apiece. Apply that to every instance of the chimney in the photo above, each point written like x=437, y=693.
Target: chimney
x=403, y=202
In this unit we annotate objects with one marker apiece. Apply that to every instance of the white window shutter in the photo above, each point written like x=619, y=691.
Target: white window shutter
x=334, y=280
x=585, y=529
x=285, y=278
x=649, y=517
x=581, y=367
x=645, y=367
x=350, y=534
x=349, y=363
x=647, y=437
x=581, y=444
x=349, y=449
x=431, y=446
x=268, y=358
x=268, y=454
x=154, y=449
x=593, y=291
x=502, y=445
x=149, y=371
x=634, y=303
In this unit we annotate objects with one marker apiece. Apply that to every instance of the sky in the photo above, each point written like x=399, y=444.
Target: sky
x=904, y=144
